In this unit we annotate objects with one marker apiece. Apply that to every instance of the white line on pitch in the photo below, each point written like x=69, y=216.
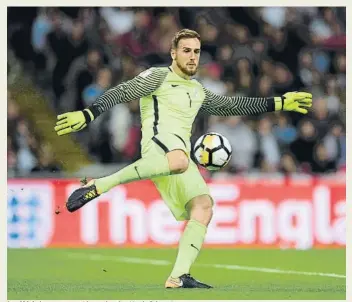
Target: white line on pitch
x=271, y=270
x=100, y=257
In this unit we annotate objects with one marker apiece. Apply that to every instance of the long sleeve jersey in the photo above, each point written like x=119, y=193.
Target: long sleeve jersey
x=170, y=103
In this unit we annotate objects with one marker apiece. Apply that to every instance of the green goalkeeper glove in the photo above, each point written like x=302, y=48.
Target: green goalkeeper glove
x=73, y=121
x=294, y=101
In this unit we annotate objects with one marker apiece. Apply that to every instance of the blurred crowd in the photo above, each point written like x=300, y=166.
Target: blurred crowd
x=26, y=151
x=75, y=54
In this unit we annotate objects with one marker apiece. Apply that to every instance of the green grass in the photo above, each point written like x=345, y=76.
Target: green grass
x=38, y=274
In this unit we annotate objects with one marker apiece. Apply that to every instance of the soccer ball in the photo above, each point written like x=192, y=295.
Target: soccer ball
x=212, y=151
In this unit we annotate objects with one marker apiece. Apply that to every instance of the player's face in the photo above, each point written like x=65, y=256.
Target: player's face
x=187, y=55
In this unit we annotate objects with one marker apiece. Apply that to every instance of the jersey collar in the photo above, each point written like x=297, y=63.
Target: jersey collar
x=172, y=70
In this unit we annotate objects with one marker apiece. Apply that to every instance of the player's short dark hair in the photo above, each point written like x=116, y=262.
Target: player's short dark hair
x=184, y=34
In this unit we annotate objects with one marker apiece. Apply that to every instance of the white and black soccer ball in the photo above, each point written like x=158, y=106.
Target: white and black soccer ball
x=212, y=151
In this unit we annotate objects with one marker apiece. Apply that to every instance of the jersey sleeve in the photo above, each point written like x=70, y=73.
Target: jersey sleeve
x=219, y=105
x=142, y=85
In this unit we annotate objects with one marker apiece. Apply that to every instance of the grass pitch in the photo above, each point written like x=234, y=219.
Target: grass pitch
x=137, y=274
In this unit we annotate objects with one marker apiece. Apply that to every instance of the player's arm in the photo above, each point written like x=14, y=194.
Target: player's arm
x=215, y=104
x=142, y=85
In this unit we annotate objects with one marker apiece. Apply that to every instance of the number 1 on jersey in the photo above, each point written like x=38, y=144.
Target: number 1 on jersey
x=190, y=100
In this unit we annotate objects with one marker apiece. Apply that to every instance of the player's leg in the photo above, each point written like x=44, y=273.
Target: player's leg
x=200, y=211
x=188, y=198
x=174, y=162
x=200, y=208
x=160, y=162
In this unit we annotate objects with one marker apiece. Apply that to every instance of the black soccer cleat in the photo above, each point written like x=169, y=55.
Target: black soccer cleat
x=80, y=197
x=185, y=281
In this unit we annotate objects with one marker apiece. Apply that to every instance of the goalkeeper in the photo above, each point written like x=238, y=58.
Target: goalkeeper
x=169, y=102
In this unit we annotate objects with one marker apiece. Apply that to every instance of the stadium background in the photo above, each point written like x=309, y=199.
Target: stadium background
x=285, y=186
